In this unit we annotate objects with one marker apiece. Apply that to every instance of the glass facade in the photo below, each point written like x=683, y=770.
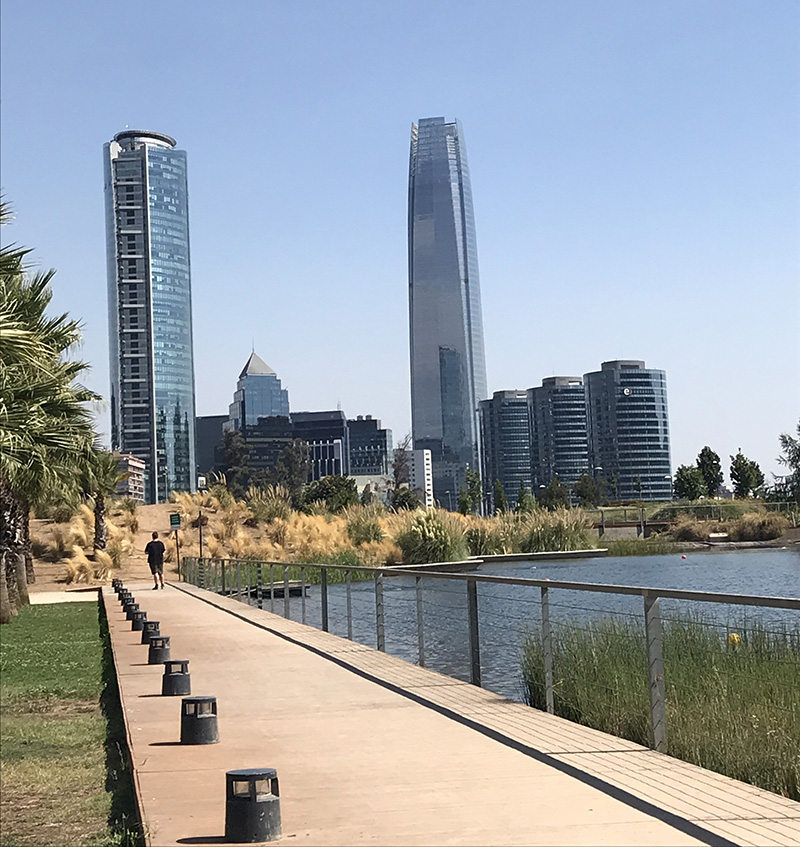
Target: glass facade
x=628, y=430
x=506, y=444
x=370, y=447
x=258, y=395
x=557, y=412
x=150, y=308
x=448, y=370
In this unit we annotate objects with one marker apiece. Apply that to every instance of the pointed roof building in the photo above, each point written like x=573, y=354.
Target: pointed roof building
x=258, y=395
x=256, y=366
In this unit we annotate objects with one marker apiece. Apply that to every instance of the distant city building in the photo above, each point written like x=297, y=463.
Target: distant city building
x=258, y=395
x=150, y=308
x=557, y=414
x=448, y=370
x=420, y=476
x=133, y=485
x=506, y=444
x=628, y=430
x=370, y=447
x=328, y=438
x=209, y=438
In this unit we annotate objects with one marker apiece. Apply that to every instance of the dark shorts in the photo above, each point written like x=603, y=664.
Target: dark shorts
x=156, y=567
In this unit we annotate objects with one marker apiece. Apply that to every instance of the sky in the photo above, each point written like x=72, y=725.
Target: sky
x=635, y=172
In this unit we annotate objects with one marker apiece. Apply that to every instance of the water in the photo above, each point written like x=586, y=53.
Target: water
x=507, y=612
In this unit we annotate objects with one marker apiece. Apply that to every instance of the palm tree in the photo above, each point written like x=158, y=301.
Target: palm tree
x=45, y=426
x=101, y=476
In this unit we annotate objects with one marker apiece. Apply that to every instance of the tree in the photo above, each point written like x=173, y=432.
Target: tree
x=464, y=502
x=292, y=469
x=790, y=458
x=236, y=455
x=474, y=490
x=709, y=465
x=746, y=475
x=588, y=491
x=526, y=502
x=405, y=498
x=45, y=426
x=401, y=461
x=689, y=483
x=554, y=496
x=500, y=499
x=100, y=478
x=336, y=491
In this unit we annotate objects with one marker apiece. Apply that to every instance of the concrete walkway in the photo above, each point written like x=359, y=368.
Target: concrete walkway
x=372, y=749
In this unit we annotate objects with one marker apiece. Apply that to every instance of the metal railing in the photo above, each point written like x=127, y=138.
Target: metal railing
x=256, y=583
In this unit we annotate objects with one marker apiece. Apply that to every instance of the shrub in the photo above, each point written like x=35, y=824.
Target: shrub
x=363, y=523
x=758, y=527
x=432, y=536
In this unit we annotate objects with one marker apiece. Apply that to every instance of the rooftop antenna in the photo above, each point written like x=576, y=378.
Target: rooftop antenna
x=254, y=344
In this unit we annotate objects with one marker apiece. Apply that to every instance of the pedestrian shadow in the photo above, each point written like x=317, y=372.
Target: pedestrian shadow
x=201, y=839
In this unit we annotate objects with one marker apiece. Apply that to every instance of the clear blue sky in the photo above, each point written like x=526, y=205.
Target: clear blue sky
x=634, y=169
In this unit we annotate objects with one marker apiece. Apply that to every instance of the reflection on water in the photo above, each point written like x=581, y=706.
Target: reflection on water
x=506, y=612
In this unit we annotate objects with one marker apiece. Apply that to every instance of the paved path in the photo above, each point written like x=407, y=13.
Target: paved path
x=372, y=749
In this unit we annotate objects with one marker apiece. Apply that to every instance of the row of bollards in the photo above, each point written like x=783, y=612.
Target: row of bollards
x=252, y=795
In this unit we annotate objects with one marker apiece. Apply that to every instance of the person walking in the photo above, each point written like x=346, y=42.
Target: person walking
x=155, y=558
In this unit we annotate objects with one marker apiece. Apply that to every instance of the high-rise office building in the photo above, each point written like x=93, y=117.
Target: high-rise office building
x=370, y=447
x=506, y=444
x=448, y=370
x=420, y=476
x=557, y=413
x=209, y=429
x=328, y=439
x=258, y=395
x=150, y=308
x=628, y=430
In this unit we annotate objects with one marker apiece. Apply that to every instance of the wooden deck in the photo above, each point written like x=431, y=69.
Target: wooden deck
x=372, y=749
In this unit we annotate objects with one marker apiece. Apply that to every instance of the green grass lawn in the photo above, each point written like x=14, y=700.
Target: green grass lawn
x=64, y=777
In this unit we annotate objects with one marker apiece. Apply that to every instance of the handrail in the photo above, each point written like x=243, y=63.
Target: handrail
x=596, y=587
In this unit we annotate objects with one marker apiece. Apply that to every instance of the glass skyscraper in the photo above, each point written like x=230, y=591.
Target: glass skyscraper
x=150, y=308
x=506, y=445
x=628, y=430
x=258, y=395
x=448, y=369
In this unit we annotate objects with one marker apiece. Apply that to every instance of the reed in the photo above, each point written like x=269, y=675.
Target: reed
x=731, y=692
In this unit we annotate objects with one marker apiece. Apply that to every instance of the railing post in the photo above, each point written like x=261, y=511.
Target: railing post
x=655, y=668
x=303, y=594
x=324, y=597
x=420, y=633
x=286, y=613
x=547, y=649
x=259, y=586
x=238, y=581
x=379, y=621
x=272, y=588
x=222, y=563
x=349, y=605
x=474, y=640
x=249, y=580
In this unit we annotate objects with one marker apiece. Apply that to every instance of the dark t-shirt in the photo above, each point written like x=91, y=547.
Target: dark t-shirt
x=155, y=552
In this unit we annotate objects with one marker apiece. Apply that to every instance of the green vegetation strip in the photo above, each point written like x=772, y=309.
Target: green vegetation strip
x=65, y=778
x=732, y=694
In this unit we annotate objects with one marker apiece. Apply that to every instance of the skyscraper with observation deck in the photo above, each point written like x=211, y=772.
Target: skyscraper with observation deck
x=150, y=308
x=448, y=369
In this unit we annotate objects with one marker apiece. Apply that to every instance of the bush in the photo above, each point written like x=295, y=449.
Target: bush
x=363, y=523
x=432, y=536
x=763, y=527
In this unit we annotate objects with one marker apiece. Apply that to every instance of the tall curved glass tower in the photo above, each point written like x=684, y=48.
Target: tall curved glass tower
x=150, y=308
x=448, y=369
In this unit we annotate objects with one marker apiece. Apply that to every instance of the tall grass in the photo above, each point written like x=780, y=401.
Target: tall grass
x=432, y=536
x=732, y=703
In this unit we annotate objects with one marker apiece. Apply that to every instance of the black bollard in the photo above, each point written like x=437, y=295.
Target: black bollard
x=252, y=806
x=125, y=597
x=137, y=621
x=149, y=628
x=158, y=652
x=176, y=679
x=129, y=609
x=199, y=720
x=116, y=585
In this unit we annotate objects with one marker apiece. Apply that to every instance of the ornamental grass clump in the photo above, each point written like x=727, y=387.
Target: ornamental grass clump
x=363, y=523
x=269, y=503
x=432, y=536
x=561, y=529
x=755, y=527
